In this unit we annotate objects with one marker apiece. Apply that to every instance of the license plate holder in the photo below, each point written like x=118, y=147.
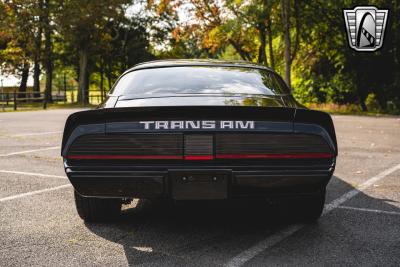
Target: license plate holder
x=199, y=184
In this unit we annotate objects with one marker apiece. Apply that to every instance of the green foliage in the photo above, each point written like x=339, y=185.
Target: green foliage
x=324, y=69
x=91, y=42
x=372, y=103
x=17, y=31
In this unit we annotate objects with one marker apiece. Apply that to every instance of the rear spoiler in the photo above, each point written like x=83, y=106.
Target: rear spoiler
x=87, y=117
x=293, y=120
x=316, y=122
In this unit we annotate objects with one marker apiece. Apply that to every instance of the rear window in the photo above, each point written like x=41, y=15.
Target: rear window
x=199, y=80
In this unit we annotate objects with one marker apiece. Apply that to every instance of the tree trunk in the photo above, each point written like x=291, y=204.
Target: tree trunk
x=243, y=54
x=271, y=49
x=48, y=64
x=286, y=36
x=262, y=57
x=83, y=96
x=108, y=74
x=102, y=92
x=36, y=77
x=37, y=53
x=380, y=96
x=360, y=92
x=362, y=104
x=297, y=36
x=24, y=80
x=49, y=82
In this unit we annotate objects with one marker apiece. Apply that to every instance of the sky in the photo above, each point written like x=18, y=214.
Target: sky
x=13, y=81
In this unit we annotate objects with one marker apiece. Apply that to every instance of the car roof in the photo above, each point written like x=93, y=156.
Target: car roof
x=195, y=62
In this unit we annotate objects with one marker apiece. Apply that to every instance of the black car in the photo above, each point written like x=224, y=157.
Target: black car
x=198, y=130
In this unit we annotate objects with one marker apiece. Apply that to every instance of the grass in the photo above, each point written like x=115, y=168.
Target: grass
x=94, y=96
x=39, y=106
x=349, y=109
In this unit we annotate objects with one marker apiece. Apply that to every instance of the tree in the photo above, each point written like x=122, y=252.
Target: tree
x=245, y=26
x=48, y=48
x=285, y=6
x=38, y=49
x=290, y=53
x=98, y=40
x=215, y=28
x=83, y=24
x=18, y=28
x=127, y=45
x=257, y=14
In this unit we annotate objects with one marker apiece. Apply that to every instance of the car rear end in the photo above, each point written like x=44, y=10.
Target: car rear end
x=199, y=152
x=198, y=131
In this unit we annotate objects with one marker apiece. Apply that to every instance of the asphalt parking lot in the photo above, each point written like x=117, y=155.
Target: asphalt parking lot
x=40, y=227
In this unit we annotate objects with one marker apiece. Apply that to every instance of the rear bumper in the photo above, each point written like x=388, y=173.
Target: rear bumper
x=157, y=181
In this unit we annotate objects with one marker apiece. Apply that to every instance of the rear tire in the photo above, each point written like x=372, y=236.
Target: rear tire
x=93, y=209
x=309, y=209
x=306, y=209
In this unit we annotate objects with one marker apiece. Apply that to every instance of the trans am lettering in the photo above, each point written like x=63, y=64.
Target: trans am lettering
x=193, y=125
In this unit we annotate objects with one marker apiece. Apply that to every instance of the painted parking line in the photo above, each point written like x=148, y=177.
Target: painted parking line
x=34, y=192
x=34, y=174
x=277, y=237
x=29, y=151
x=352, y=193
x=34, y=134
x=272, y=240
x=370, y=210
